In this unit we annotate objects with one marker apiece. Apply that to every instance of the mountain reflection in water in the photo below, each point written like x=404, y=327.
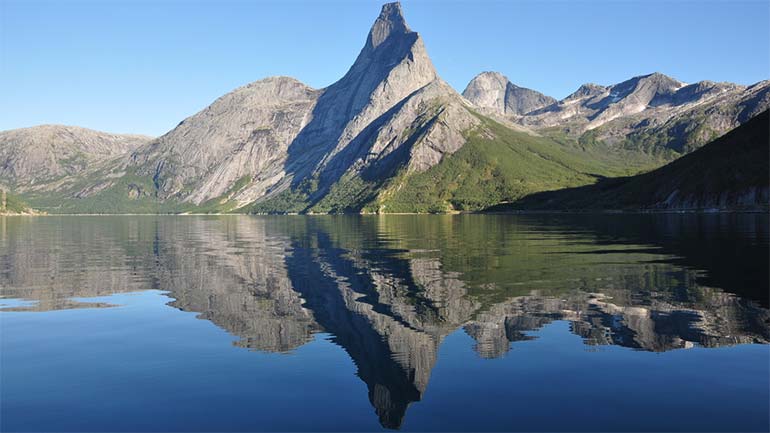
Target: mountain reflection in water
x=389, y=289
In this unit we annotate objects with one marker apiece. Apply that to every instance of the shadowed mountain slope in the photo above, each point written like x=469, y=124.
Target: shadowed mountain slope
x=731, y=172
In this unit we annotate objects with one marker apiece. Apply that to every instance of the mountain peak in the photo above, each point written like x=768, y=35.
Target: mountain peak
x=662, y=79
x=491, y=75
x=495, y=92
x=390, y=21
x=586, y=90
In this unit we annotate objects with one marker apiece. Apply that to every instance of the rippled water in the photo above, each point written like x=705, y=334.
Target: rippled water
x=575, y=323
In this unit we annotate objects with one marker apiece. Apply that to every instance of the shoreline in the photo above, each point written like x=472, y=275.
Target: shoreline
x=510, y=212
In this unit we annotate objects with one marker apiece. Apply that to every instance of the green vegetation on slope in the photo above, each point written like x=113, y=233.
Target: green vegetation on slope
x=732, y=172
x=130, y=193
x=13, y=204
x=496, y=165
x=351, y=194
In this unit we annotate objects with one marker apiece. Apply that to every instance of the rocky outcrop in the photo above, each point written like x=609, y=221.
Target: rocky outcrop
x=495, y=93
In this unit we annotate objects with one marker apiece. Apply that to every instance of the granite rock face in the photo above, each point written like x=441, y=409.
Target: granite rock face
x=495, y=93
x=245, y=133
x=30, y=156
x=278, y=132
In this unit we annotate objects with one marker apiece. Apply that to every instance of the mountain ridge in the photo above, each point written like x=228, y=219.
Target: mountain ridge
x=389, y=136
x=50, y=151
x=654, y=112
x=730, y=173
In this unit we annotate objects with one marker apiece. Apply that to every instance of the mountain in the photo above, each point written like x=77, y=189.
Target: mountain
x=366, y=143
x=41, y=154
x=277, y=132
x=389, y=136
x=731, y=172
x=243, y=135
x=494, y=92
x=598, y=105
x=650, y=113
x=278, y=135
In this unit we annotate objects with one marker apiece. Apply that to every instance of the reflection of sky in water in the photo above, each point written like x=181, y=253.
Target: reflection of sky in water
x=467, y=323
x=16, y=303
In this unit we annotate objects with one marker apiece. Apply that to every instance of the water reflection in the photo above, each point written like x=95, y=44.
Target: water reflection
x=390, y=289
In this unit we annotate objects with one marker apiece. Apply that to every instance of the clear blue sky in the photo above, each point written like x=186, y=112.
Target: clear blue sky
x=143, y=66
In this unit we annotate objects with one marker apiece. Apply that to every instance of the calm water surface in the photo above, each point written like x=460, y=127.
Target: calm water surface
x=237, y=323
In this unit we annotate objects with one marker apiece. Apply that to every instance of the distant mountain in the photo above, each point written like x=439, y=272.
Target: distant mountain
x=598, y=105
x=731, y=172
x=40, y=154
x=649, y=113
x=493, y=91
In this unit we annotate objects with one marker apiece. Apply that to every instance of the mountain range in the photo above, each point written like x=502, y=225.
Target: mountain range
x=390, y=136
x=730, y=173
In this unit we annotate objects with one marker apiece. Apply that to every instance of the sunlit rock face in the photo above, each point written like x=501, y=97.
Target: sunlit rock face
x=277, y=132
x=243, y=134
x=46, y=154
x=495, y=93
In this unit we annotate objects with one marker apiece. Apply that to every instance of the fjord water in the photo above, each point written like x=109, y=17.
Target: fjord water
x=467, y=322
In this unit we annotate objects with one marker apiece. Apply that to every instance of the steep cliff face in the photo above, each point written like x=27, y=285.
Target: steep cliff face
x=276, y=133
x=38, y=155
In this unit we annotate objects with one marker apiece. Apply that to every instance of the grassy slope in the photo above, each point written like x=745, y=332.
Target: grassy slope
x=732, y=164
x=487, y=171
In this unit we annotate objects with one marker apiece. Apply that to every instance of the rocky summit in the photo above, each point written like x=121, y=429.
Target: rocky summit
x=493, y=91
x=389, y=136
x=277, y=136
x=653, y=113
